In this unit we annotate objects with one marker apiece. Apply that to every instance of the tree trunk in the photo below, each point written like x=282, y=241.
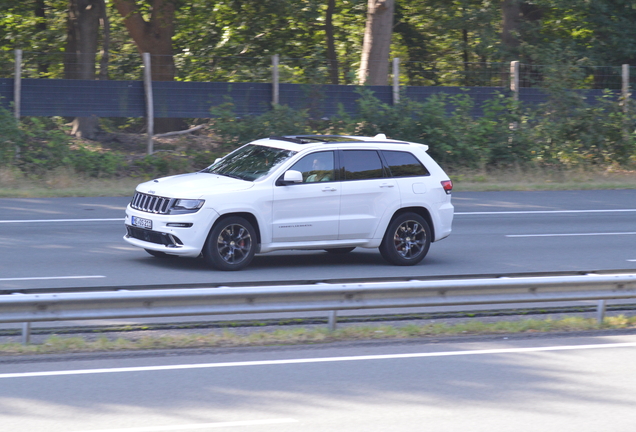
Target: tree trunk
x=331, y=46
x=40, y=13
x=154, y=37
x=374, y=64
x=105, y=58
x=516, y=13
x=81, y=51
x=511, y=14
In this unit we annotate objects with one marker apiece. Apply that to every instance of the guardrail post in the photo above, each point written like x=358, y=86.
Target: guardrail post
x=26, y=333
x=333, y=320
x=600, y=311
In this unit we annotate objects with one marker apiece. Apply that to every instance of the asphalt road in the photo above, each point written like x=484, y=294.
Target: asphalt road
x=522, y=385
x=62, y=242
x=518, y=384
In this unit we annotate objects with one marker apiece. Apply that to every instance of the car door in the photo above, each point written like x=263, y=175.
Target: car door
x=367, y=194
x=308, y=211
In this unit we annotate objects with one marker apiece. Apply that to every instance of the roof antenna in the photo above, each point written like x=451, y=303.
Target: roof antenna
x=380, y=136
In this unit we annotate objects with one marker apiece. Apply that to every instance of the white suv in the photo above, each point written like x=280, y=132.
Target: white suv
x=298, y=192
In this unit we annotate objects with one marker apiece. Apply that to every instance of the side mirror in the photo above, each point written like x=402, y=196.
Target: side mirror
x=291, y=177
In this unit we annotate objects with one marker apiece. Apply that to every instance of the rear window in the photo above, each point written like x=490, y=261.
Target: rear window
x=404, y=164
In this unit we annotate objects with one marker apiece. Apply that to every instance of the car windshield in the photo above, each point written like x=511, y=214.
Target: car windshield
x=250, y=162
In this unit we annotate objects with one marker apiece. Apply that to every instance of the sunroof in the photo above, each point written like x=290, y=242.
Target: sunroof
x=306, y=139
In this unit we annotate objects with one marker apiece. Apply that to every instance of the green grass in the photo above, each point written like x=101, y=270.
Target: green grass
x=63, y=183
x=302, y=335
x=542, y=180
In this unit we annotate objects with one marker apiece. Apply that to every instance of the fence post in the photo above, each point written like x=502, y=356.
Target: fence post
x=396, y=81
x=150, y=111
x=275, y=89
x=625, y=88
x=514, y=79
x=17, y=92
x=17, y=84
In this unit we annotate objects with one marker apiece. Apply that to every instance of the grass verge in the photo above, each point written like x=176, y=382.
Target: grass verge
x=64, y=183
x=226, y=338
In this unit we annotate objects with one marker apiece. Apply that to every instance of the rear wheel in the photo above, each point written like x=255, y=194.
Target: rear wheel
x=340, y=251
x=407, y=240
x=231, y=244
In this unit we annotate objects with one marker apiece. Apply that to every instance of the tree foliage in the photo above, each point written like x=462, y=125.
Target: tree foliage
x=233, y=40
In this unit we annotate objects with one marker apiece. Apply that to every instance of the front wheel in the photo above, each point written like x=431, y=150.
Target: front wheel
x=231, y=244
x=407, y=240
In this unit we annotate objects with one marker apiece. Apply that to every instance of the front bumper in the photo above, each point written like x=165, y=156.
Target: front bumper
x=186, y=240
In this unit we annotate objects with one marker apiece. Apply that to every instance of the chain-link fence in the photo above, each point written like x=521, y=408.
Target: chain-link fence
x=185, y=66
x=189, y=86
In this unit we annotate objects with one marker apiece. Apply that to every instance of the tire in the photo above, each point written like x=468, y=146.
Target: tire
x=340, y=251
x=158, y=254
x=231, y=244
x=407, y=240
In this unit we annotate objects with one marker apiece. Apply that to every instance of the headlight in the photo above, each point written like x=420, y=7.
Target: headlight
x=182, y=206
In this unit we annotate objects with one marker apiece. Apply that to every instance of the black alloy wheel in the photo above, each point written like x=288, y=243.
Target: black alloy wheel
x=231, y=244
x=407, y=240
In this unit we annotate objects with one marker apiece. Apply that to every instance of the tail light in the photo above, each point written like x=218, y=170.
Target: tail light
x=448, y=186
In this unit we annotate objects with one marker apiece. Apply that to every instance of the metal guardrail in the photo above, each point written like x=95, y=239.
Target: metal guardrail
x=29, y=308
x=307, y=282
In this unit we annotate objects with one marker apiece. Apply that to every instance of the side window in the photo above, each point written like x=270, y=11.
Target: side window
x=404, y=164
x=361, y=165
x=316, y=167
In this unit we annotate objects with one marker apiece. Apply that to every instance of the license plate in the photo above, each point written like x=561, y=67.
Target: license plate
x=141, y=222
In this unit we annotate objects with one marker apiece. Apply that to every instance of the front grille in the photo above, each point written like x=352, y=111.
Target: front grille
x=153, y=236
x=150, y=203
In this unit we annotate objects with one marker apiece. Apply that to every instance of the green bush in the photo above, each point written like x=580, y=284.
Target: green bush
x=10, y=137
x=97, y=164
x=567, y=131
x=161, y=164
x=280, y=120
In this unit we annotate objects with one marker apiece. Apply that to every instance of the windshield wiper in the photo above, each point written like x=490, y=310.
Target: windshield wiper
x=227, y=175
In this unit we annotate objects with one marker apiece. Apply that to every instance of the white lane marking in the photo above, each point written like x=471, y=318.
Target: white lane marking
x=456, y=213
x=198, y=426
x=571, y=234
x=50, y=278
x=317, y=360
x=62, y=220
x=545, y=212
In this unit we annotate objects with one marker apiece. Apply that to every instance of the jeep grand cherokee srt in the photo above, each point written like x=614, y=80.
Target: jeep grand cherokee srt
x=319, y=192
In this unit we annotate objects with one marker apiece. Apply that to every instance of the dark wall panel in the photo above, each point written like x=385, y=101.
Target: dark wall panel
x=82, y=98
x=196, y=99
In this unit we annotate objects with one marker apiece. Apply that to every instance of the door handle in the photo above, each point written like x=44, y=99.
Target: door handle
x=328, y=189
x=385, y=185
